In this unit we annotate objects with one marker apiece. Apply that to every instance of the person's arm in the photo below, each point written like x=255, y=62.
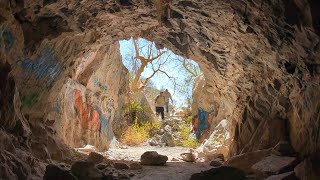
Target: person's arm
x=171, y=98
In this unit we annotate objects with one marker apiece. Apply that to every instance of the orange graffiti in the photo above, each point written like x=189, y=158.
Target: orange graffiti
x=88, y=115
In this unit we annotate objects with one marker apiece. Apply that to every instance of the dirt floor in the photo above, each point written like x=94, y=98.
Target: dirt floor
x=175, y=168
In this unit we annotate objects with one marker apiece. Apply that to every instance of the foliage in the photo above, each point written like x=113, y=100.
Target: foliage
x=134, y=135
x=132, y=109
x=185, y=137
x=138, y=133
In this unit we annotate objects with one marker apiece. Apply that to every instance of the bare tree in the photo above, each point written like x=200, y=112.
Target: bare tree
x=149, y=56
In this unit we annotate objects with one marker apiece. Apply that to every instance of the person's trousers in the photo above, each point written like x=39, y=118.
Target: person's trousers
x=167, y=106
x=160, y=110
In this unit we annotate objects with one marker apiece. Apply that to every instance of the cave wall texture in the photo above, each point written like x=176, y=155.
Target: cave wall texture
x=259, y=58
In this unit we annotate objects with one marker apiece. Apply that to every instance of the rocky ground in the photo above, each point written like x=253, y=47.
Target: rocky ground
x=134, y=153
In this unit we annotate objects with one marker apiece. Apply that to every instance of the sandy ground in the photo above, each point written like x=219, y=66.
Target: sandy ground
x=172, y=171
x=175, y=169
x=134, y=153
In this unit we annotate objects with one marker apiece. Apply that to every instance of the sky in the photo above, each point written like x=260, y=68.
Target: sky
x=172, y=67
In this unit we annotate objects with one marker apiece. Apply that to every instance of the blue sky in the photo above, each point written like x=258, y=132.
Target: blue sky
x=172, y=67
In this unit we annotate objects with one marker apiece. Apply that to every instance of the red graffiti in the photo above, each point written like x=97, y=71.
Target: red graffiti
x=89, y=117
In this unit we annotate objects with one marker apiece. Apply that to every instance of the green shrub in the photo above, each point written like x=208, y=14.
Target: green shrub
x=185, y=139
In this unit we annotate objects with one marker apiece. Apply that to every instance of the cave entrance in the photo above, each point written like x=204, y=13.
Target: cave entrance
x=187, y=132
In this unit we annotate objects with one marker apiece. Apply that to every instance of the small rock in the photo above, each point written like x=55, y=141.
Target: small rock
x=120, y=165
x=102, y=166
x=96, y=158
x=153, y=158
x=168, y=128
x=285, y=176
x=123, y=176
x=123, y=147
x=135, y=166
x=223, y=172
x=54, y=172
x=275, y=164
x=209, y=157
x=174, y=159
x=188, y=157
x=84, y=170
x=167, y=138
x=216, y=163
x=131, y=175
x=283, y=148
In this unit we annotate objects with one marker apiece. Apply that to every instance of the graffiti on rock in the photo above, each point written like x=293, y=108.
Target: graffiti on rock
x=100, y=85
x=8, y=39
x=86, y=107
x=45, y=67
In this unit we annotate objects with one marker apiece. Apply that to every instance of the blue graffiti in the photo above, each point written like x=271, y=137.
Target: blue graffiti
x=105, y=128
x=56, y=107
x=202, y=122
x=100, y=85
x=45, y=67
x=8, y=39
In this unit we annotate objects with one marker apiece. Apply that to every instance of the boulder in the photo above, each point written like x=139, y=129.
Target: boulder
x=135, y=166
x=285, y=176
x=223, y=172
x=59, y=171
x=188, y=157
x=216, y=163
x=85, y=170
x=247, y=160
x=121, y=165
x=272, y=165
x=283, y=148
x=96, y=158
x=153, y=158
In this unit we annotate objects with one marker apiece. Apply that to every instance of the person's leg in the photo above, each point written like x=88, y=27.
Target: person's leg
x=162, y=113
x=167, y=106
x=157, y=111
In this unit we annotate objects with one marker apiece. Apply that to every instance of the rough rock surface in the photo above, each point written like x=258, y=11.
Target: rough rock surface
x=247, y=160
x=285, y=176
x=275, y=164
x=223, y=172
x=96, y=158
x=260, y=60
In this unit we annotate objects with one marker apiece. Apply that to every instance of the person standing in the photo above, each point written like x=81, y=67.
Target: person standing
x=168, y=96
x=160, y=102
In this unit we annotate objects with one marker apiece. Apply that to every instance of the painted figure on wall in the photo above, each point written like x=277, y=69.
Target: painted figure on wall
x=91, y=115
x=201, y=124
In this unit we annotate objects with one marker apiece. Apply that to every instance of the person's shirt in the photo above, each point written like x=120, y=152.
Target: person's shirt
x=168, y=96
x=160, y=101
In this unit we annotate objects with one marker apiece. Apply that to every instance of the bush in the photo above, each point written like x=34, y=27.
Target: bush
x=136, y=134
x=185, y=137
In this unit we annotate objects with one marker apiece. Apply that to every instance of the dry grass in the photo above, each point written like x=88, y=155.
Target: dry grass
x=136, y=134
